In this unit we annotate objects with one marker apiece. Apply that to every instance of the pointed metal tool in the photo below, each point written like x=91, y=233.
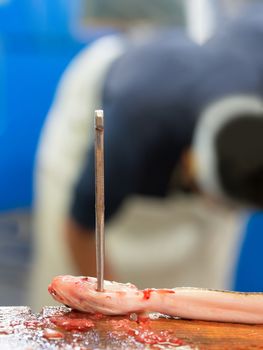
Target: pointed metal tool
x=100, y=206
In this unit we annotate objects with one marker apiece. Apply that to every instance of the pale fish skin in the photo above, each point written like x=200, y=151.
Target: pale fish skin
x=191, y=303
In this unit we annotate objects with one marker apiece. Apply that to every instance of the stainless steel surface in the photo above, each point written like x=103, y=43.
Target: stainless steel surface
x=100, y=206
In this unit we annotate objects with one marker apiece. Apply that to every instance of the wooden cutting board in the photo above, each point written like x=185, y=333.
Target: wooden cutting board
x=21, y=329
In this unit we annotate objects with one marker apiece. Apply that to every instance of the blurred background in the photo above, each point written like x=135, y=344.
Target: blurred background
x=38, y=39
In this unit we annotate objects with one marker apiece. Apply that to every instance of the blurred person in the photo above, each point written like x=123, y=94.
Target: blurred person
x=152, y=119
x=151, y=124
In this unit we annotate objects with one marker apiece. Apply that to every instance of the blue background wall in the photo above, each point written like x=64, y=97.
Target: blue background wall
x=36, y=44
x=249, y=272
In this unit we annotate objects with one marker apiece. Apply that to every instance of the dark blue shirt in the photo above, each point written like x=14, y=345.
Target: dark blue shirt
x=148, y=123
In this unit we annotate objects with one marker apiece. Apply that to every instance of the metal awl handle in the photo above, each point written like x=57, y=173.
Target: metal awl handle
x=100, y=206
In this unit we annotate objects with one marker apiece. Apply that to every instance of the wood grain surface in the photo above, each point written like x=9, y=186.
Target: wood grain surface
x=23, y=330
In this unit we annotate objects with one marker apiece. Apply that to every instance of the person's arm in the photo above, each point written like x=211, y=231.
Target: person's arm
x=81, y=242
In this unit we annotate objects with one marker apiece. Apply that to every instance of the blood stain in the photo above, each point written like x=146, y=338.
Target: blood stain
x=147, y=294
x=72, y=324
